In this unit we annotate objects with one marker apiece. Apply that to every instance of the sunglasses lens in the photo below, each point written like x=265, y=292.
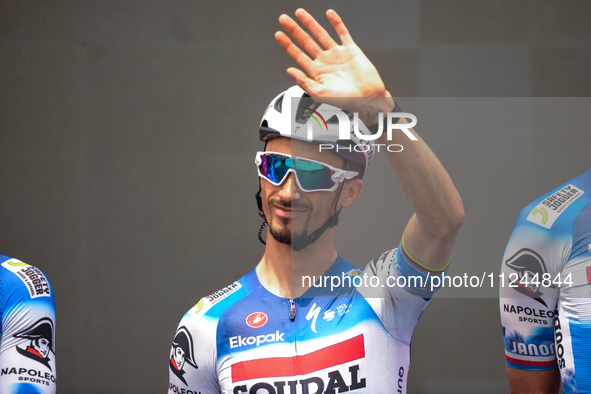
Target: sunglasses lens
x=273, y=168
x=311, y=175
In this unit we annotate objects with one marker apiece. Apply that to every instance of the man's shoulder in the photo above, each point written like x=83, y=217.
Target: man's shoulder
x=203, y=319
x=24, y=278
x=213, y=306
x=215, y=303
x=557, y=210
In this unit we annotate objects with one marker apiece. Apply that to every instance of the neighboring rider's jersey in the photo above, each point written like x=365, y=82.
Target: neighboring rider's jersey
x=241, y=339
x=552, y=239
x=27, y=348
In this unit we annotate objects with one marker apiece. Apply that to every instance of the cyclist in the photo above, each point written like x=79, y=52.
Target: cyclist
x=27, y=348
x=274, y=332
x=544, y=298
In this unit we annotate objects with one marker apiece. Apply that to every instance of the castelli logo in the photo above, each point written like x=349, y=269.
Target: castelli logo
x=256, y=319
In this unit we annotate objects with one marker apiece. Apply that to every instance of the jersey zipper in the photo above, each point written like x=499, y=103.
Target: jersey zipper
x=292, y=312
x=292, y=318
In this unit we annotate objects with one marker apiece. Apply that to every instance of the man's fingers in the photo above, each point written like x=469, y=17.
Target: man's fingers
x=300, y=35
x=302, y=80
x=297, y=74
x=293, y=51
x=317, y=31
x=339, y=26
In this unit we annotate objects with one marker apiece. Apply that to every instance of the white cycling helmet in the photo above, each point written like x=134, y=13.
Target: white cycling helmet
x=281, y=120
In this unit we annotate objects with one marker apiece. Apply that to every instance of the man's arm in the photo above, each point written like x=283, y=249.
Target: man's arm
x=343, y=71
x=531, y=253
x=192, y=357
x=533, y=382
x=27, y=346
x=431, y=232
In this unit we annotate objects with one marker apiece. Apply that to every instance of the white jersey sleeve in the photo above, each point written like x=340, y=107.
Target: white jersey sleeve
x=527, y=304
x=404, y=288
x=27, y=348
x=193, y=366
x=543, y=268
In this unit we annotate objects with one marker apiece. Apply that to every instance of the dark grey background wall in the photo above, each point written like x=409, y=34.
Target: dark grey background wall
x=128, y=129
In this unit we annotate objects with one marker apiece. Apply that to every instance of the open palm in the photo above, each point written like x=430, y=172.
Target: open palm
x=329, y=69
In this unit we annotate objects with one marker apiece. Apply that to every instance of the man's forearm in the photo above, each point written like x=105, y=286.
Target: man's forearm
x=533, y=382
x=426, y=184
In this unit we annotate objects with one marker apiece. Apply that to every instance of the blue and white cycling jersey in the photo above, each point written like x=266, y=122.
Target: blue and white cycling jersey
x=545, y=297
x=27, y=347
x=244, y=339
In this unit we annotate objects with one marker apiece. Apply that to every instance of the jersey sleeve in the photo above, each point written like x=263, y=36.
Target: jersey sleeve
x=403, y=288
x=572, y=327
x=528, y=293
x=193, y=356
x=27, y=348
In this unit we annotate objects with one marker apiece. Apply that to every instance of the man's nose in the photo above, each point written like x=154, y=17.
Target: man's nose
x=289, y=188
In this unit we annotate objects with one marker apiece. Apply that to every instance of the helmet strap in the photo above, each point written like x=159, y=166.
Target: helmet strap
x=259, y=199
x=310, y=239
x=331, y=222
x=257, y=195
x=261, y=229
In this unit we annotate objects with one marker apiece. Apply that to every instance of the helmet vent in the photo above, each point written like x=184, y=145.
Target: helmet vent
x=279, y=103
x=265, y=123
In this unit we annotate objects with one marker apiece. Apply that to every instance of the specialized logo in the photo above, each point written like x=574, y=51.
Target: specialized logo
x=313, y=315
x=32, y=277
x=546, y=212
x=182, y=353
x=531, y=267
x=41, y=335
x=257, y=319
x=328, y=315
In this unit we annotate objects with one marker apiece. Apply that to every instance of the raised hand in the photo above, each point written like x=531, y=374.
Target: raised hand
x=329, y=69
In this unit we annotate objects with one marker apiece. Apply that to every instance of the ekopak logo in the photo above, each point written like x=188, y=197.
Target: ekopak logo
x=257, y=319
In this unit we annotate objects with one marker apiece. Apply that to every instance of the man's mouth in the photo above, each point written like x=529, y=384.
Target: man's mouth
x=287, y=211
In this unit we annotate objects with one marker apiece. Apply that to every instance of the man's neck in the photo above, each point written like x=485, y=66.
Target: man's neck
x=281, y=269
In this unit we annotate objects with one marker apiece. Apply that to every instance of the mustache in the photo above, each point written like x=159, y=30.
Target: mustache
x=279, y=202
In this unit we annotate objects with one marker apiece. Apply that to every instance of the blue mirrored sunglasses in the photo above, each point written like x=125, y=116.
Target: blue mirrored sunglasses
x=311, y=175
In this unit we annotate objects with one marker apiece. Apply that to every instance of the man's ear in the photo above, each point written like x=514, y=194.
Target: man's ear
x=351, y=191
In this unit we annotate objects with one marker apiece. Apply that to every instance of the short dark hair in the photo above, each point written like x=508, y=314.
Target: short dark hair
x=355, y=167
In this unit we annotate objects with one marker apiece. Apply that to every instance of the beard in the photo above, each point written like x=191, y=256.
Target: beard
x=282, y=232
